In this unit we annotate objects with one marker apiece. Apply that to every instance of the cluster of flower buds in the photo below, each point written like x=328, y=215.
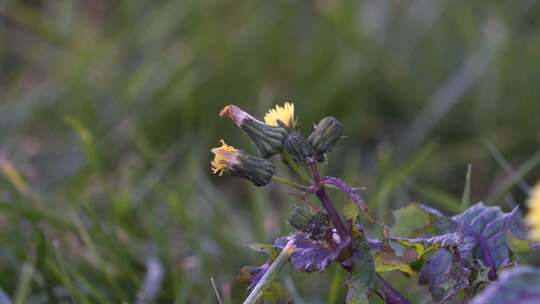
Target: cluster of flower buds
x=276, y=135
x=316, y=225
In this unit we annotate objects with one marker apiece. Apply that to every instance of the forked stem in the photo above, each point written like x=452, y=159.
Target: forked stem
x=328, y=204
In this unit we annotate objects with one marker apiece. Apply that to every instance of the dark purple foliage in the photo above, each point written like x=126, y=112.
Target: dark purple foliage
x=312, y=255
x=444, y=274
x=253, y=274
x=520, y=285
x=483, y=231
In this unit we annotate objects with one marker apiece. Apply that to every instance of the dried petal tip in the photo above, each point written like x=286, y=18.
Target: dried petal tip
x=268, y=139
x=225, y=157
x=281, y=116
x=235, y=162
x=326, y=134
x=235, y=114
x=533, y=217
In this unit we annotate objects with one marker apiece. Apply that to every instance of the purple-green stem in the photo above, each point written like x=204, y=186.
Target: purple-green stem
x=391, y=295
x=328, y=205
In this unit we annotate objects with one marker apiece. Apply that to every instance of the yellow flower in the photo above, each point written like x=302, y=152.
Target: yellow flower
x=533, y=218
x=280, y=116
x=224, y=158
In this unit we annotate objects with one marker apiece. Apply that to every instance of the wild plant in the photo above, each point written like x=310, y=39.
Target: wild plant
x=455, y=256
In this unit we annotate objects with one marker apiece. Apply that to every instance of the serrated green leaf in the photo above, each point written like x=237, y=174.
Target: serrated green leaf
x=417, y=219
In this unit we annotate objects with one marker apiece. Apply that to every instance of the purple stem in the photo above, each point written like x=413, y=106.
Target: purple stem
x=332, y=213
x=488, y=258
x=391, y=295
x=328, y=205
x=343, y=187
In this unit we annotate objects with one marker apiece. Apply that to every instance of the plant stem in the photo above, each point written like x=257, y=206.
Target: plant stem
x=270, y=273
x=332, y=213
x=328, y=205
x=296, y=168
x=392, y=296
x=288, y=183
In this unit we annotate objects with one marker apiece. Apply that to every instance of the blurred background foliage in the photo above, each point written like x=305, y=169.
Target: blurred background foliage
x=108, y=110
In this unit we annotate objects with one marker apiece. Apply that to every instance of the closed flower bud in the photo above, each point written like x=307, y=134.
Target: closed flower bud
x=300, y=219
x=316, y=225
x=235, y=162
x=268, y=139
x=327, y=132
x=297, y=146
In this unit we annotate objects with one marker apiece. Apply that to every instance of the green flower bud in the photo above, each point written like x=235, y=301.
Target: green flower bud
x=316, y=225
x=235, y=162
x=300, y=219
x=297, y=146
x=268, y=139
x=327, y=132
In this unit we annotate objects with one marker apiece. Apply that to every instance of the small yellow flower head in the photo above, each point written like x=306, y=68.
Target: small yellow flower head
x=225, y=157
x=533, y=218
x=281, y=116
x=237, y=163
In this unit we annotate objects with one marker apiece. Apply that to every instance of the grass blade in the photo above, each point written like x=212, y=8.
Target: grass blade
x=466, y=197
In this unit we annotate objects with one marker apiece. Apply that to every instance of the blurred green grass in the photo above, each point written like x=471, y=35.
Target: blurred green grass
x=108, y=111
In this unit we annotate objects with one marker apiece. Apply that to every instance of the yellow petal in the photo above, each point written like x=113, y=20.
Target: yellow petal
x=280, y=115
x=533, y=218
x=224, y=158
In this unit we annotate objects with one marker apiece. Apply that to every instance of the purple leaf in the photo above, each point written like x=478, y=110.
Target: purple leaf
x=516, y=286
x=427, y=244
x=251, y=275
x=485, y=233
x=444, y=274
x=416, y=220
x=312, y=255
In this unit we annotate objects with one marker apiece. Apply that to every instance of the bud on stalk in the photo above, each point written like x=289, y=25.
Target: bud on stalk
x=268, y=139
x=297, y=147
x=327, y=132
